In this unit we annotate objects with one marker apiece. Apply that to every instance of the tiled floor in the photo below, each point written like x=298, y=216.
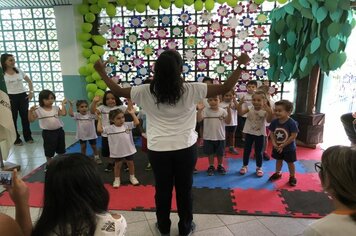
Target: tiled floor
x=140, y=223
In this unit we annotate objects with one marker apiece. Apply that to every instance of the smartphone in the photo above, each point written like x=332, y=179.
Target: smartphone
x=5, y=177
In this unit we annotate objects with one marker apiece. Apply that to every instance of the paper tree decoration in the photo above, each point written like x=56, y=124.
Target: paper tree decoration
x=308, y=33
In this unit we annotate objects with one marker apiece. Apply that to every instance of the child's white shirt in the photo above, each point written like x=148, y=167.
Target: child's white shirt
x=248, y=101
x=49, y=120
x=85, y=126
x=255, y=122
x=233, y=109
x=107, y=225
x=214, y=124
x=120, y=140
x=105, y=110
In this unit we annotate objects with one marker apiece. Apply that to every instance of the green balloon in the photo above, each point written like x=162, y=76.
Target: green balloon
x=87, y=27
x=188, y=2
x=91, y=96
x=92, y=1
x=96, y=75
x=101, y=84
x=95, y=9
x=179, y=3
x=259, y=1
x=198, y=5
x=89, y=79
x=130, y=6
x=165, y=4
x=84, y=36
x=87, y=44
x=231, y=3
x=111, y=10
x=98, y=50
x=154, y=4
x=209, y=5
x=121, y=2
x=99, y=93
x=87, y=52
x=89, y=17
x=93, y=58
x=221, y=1
x=141, y=8
x=99, y=39
x=83, y=71
x=103, y=3
x=90, y=67
x=91, y=87
x=83, y=9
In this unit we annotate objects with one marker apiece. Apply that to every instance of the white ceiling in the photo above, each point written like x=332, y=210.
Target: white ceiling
x=4, y=4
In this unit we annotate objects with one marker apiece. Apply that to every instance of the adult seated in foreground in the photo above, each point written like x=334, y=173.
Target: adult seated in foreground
x=337, y=172
x=75, y=201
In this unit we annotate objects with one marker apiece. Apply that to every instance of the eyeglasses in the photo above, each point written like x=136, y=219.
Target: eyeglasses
x=318, y=167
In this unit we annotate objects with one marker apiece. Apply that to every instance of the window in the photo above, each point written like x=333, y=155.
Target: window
x=31, y=36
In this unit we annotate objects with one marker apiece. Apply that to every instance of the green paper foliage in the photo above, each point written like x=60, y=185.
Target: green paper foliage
x=305, y=33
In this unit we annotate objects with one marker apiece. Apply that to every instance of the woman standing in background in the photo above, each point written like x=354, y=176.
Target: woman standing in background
x=19, y=98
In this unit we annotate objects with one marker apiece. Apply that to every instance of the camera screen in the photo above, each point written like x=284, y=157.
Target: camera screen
x=5, y=177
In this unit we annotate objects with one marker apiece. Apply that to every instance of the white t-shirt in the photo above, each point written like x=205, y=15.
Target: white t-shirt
x=255, y=122
x=331, y=225
x=105, y=110
x=85, y=126
x=170, y=127
x=248, y=101
x=214, y=124
x=49, y=119
x=233, y=109
x=14, y=83
x=120, y=140
x=108, y=225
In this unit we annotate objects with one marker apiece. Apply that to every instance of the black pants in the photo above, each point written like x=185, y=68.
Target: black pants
x=174, y=168
x=349, y=127
x=19, y=104
x=259, y=143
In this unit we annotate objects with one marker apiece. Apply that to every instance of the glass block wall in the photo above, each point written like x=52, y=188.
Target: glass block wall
x=31, y=36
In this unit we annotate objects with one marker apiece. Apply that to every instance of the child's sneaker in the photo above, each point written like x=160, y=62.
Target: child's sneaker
x=98, y=160
x=259, y=172
x=133, y=180
x=292, y=181
x=195, y=171
x=221, y=170
x=116, y=183
x=109, y=167
x=211, y=170
x=275, y=176
x=232, y=150
x=243, y=170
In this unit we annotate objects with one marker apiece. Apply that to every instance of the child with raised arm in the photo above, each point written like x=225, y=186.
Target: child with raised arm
x=284, y=132
x=255, y=129
x=229, y=100
x=85, y=127
x=121, y=142
x=215, y=119
x=110, y=102
x=51, y=125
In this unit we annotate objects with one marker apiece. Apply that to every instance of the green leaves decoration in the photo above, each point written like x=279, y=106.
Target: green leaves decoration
x=305, y=33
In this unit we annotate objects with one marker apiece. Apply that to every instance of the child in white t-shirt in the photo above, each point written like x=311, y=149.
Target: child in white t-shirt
x=255, y=129
x=121, y=142
x=229, y=100
x=52, y=127
x=85, y=127
x=215, y=119
x=110, y=102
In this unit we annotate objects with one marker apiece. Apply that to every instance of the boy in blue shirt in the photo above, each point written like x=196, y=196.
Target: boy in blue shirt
x=284, y=132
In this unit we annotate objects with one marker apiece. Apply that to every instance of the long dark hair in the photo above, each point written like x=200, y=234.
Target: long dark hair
x=3, y=60
x=117, y=99
x=44, y=94
x=167, y=83
x=73, y=194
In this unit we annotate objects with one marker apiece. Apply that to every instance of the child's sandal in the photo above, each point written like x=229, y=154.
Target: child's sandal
x=243, y=170
x=259, y=172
